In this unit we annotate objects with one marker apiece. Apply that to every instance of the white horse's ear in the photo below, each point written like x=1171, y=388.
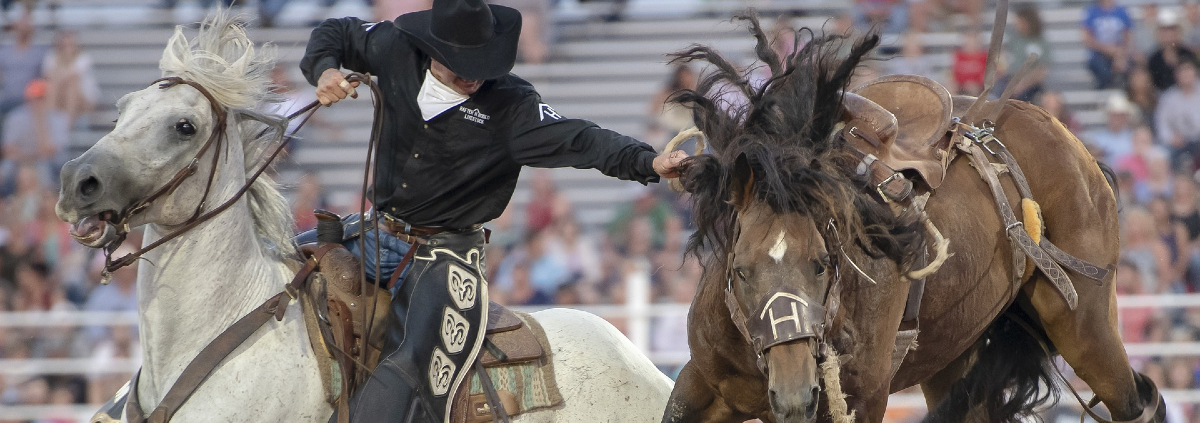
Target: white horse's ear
x=255, y=145
x=274, y=122
x=175, y=56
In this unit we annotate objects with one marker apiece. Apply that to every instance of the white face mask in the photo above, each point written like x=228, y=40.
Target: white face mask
x=436, y=97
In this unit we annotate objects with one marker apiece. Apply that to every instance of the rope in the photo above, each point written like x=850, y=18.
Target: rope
x=684, y=135
x=831, y=370
x=942, y=252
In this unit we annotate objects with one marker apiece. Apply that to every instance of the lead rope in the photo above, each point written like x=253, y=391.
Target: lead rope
x=831, y=370
x=684, y=135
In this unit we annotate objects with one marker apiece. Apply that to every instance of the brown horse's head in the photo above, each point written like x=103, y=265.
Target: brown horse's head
x=779, y=277
x=777, y=207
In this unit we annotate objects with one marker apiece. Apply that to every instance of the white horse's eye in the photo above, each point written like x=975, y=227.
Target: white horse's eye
x=184, y=127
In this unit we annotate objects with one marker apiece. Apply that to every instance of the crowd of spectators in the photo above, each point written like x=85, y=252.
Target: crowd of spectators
x=1151, y=138
x=46, y=92
x=540, y=254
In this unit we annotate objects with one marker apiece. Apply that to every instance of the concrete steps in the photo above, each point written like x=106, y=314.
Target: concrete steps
x=605, y=72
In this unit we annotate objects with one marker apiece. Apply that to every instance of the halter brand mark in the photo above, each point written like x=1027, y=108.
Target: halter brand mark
x=768, y=312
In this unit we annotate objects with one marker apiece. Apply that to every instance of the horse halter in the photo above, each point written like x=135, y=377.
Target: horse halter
x=217, y=137
x=786, y=315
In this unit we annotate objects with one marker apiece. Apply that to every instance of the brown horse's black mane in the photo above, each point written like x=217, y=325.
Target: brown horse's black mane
x=783, y=131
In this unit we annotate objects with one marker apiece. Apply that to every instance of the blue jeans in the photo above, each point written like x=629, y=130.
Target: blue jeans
x=1103, y=70
x=391, y=252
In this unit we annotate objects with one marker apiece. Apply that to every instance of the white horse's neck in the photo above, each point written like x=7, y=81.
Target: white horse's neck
x=193, y=287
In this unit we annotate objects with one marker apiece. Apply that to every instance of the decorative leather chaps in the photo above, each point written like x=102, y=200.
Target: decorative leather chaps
x=436, y=325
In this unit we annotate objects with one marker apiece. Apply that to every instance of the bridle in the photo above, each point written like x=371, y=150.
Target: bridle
x=788, y=314
x=217, y=138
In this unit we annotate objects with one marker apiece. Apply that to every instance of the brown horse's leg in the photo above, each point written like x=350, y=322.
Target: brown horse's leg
x=1080, y=216
x=938, y=386
x=694, y=400
x=1088, y=340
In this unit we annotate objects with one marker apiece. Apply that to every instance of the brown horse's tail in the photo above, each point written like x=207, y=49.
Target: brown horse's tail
x=1008, y=381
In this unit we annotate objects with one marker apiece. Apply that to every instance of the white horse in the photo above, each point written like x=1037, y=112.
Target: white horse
x=193, y=287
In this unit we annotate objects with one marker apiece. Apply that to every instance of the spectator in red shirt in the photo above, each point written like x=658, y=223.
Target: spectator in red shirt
x=970, y=65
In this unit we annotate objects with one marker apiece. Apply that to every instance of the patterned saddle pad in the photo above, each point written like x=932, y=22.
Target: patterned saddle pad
x=524, y=382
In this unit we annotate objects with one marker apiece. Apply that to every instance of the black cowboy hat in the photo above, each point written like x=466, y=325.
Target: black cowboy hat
x=473, y=39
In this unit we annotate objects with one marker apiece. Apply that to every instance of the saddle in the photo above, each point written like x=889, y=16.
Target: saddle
x=903, y=122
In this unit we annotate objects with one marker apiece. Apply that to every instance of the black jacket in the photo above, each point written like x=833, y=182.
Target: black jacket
x=1162, y=74
x=461, y=167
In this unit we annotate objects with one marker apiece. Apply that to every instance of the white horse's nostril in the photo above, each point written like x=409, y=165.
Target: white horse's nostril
x=89, y=187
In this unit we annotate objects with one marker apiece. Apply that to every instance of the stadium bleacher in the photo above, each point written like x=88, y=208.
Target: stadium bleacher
x=602, y=71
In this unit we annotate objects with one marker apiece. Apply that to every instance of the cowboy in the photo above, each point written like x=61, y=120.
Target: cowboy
x=458, y=128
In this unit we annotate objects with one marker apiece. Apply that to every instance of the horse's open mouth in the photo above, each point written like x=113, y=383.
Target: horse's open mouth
x=95, y=231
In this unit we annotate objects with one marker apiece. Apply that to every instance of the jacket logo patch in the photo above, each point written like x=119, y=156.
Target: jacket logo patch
x=545, y=111
x=474, y=115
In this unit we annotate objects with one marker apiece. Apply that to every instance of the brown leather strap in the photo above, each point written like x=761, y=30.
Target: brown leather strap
x=1015, y=231
x=408, y=238
x=210, y=357
x=412, y=250
x=399, y=227
x=1080, y=266
x=890, y=184
x=198, y=370
x=133, y=406
x=499, y=414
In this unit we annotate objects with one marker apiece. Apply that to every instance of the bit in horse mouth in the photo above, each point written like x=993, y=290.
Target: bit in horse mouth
x=95, y=231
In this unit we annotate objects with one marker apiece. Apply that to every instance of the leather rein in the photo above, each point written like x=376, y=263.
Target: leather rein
x=217, y=138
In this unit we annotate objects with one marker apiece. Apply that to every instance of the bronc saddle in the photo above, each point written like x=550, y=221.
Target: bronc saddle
x=900, y=122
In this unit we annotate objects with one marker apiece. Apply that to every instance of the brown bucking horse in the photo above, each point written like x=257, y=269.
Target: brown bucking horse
x=808, y=267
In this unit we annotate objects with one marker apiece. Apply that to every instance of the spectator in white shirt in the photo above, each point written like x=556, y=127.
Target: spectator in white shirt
x=1116, y=138
x=1177, y=118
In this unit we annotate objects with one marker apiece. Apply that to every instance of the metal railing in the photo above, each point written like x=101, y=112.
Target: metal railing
x=638, y=312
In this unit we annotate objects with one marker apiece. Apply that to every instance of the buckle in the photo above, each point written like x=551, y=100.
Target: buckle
x=983, y=136
x=881, y=188
x=864, y=166
x=395, y=221
x=987, y=138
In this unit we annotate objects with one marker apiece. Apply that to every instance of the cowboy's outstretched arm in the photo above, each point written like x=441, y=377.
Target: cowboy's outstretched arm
x=349, y=43
x=544, y=138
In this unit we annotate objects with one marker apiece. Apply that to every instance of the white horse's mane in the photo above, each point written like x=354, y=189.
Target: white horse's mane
x=223, y=60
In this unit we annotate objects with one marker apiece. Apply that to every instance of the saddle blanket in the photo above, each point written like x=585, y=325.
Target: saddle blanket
x=531, y=384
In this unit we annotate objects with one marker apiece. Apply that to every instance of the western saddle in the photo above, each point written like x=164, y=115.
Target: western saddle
x=340, y=311
x=900, y=123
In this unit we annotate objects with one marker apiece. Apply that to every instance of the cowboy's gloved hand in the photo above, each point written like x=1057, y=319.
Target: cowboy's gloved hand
x=332, y=87
x=667, y=165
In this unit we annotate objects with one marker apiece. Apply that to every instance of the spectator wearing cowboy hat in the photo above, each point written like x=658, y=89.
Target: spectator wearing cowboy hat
x=457, y=129
x=1170, y=52
x=1115, y=139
